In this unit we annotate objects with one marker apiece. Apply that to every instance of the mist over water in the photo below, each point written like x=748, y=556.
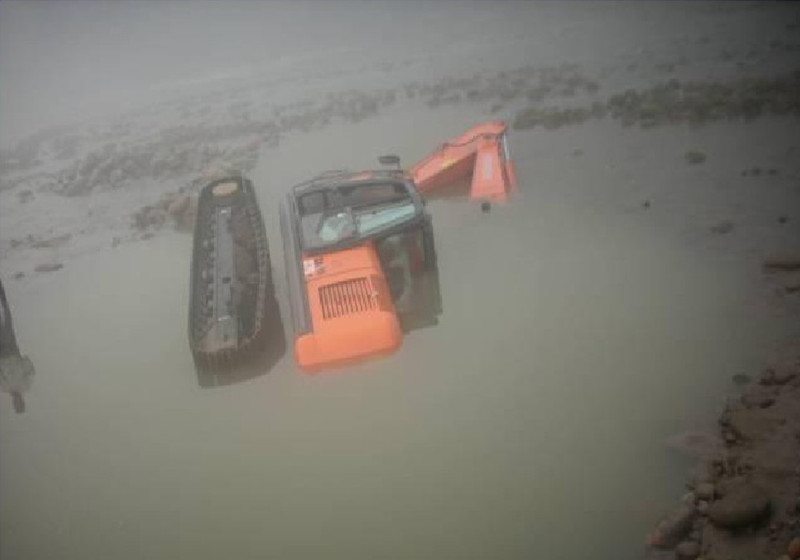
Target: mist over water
x=578, y=330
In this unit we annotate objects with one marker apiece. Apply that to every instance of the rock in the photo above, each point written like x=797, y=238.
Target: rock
x=178, y=206
x=729, y=437
x=743, y=505
x=790, y=281
x=19, y=275
x=147, y=216
x=673, y=528
x=704, y=491
x=51, y=242
x=741, y=378
x=687, y=550
x=166, y=200
x=772, y=376
x=49, y=267
x=783, y=261
x=723, y=227
x=758, y=396
x=187, y=220
x=793, y=550
x=748, y=425
x=694, y=157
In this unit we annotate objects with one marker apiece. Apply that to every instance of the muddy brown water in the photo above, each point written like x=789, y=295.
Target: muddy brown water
x=574, y=338
x=578, y=333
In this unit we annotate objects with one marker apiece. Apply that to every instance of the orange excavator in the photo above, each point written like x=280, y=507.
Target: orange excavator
x=360, y=258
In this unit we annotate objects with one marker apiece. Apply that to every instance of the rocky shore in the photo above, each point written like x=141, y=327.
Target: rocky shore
x=744, y=501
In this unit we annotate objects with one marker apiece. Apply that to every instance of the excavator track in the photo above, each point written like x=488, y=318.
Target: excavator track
x=232, y=294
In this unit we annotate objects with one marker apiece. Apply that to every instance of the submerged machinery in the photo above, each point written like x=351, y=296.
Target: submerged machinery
x=359, y=257
x=232, y=302
x=360, y=264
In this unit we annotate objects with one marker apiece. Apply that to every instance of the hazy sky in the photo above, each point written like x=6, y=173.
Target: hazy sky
x=62, y=60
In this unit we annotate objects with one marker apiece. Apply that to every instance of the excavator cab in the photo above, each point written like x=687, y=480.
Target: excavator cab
x=361, y=266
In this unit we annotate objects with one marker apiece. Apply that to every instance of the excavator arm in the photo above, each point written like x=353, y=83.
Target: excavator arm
x=481, y=155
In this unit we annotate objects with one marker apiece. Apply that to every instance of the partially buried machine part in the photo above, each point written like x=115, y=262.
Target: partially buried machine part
x=481, y=155
x=233, y=315
x=361, y=266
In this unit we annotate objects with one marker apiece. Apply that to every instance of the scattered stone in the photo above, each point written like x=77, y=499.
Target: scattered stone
x=782, y=219
x=723, y=227
x=780, y=375
x=186, y=221
x=550, y=118
x=783, y=261
x=702, y=508
x=743, y=505
x=25, y=196
x=758, y=396
x=577, y=152
x=673, y=528
x=19, y=275
x=51, y=242
x=694, y=157
x=704, y=491
x=741, y=378
x=149, y=216
x=790, y=282
x=646, y=204
x=178, y=206
x=687, y=550
x=49, y=267
x=793, y=550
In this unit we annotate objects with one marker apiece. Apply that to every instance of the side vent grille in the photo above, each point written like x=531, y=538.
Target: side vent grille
x=346, y=298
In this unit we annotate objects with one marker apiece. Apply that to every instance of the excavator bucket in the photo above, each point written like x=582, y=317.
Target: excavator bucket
x=480, y=153
x=494, y=176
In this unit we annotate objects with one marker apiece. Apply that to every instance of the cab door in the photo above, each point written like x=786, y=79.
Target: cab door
x=408, y=259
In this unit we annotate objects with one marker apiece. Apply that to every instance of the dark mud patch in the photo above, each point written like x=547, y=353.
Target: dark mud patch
x=675, y=102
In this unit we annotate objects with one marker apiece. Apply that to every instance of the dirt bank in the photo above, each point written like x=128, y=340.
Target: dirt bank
x=744, y=501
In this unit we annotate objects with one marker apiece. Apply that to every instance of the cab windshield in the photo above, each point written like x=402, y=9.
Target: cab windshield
x=333, y=215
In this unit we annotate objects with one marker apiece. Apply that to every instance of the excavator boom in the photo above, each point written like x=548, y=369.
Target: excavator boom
x=480, y=153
